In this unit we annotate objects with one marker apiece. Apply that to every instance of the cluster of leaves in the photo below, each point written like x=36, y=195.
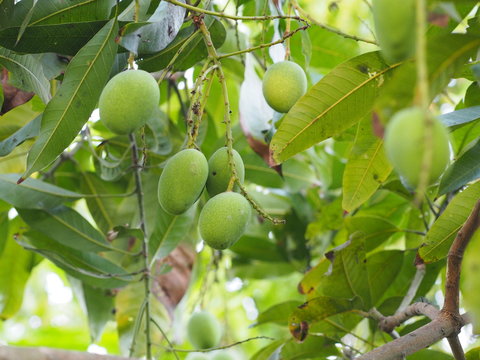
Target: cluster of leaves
x=79, y=210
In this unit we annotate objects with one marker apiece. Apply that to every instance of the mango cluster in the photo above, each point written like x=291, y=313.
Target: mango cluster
x=225, y=216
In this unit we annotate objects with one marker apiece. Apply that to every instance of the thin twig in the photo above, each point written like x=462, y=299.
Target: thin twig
x=328, y=27
x=165, y=337
x=143, y=227
x=218, y=347
x=456, y=347
x=414, y=285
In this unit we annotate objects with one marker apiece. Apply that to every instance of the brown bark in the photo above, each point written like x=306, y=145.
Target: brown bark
x=42, y=353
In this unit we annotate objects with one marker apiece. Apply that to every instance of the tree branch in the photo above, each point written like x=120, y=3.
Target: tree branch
x=389, y=323
x=42, y=353
x=454, y=260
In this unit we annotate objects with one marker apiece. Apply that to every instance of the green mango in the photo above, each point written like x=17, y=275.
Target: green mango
x=182, y=181
x=203, y=330
x=128, y=100
x=224, y=219
x=404, y=146
x=283, y=84
x=395, y=28
x=219, y=171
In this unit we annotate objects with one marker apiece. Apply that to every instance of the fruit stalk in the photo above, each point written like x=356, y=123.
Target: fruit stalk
x=423, y=98
x=228, y=132
x=143, y=227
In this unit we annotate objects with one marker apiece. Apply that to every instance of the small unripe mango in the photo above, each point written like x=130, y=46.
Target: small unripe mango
x=283, y=84
x=404, y=146
x=395, y=28
x=128, y=100
x=222, y=355
x=182, y=181
x=203, y=330
x=224, y=219
x=219, y=173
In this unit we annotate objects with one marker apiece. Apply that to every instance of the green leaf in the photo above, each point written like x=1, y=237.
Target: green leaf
x=91, y=268
x=32, y=193
x=169, y=231
x=430, y=354
x=316, y=310
x=471, y=280
x=338, y=101
x=65, y=39
x=27, y=73
x=445, y=55
x=67, y=227
x=1, y=96
x=195, y=52
x=373, y=230
x=473, y=354
x=76, y=98
x=26, y=132
x=443, y=232
x=460, y=117
x=266, y=352
x=367, y=167
x=73, y=11
x=383, y=267
x=152, y=36
x=315, y=347
x=464, y=170
x=15, y=267
x=278, y=313
x=99, y=305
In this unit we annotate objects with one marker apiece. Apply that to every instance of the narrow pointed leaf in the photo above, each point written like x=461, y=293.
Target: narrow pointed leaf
x=33, y=193
x=367, y=167
x=27, y=73
x=73, y=103
x=464, y=170
x=441, y=235
x=460, y=117
x=66, y=226
x=65, y=39
x=17, y=138
x=335, y=103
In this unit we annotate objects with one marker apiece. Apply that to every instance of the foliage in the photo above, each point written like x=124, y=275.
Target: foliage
x=333, y=233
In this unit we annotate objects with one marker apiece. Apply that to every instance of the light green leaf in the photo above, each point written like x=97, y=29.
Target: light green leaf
x=443, y=232
x=76, y=98
x=373, y=230
x=367, y=167
x=266, y=352
x=27, y=73
x=169, y=231
x=99, y=306
x=335, y=103
x=15, y=267
x=315, y=347
x=278, y=313
x=32, y=193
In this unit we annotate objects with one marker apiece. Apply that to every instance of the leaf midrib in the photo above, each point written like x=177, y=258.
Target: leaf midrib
x=345, y=96
x=60, y=11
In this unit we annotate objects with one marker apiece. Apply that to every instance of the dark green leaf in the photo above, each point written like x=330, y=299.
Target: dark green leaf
x=338, y=101
x=461, y=116
x=27, y=132
x=75, y=100
x=27, y=73
x=99, y=306
x=67, y=227
x=32, y=193
x=91, y=268
x=464, y=170
x=315, y=347
x=65, y=39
